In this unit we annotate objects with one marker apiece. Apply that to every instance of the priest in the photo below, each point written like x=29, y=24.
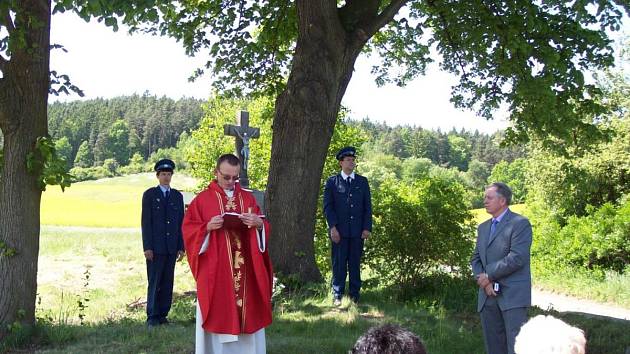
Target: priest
x=230, y=263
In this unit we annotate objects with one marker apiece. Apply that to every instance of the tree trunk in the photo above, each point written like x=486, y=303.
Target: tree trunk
x=23, y=118
x=303, y=124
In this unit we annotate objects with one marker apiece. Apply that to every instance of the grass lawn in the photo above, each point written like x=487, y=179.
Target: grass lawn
x=109, y=202
x=114, y=291
x=440, y=311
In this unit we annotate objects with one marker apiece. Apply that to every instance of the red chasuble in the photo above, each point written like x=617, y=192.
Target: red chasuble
x=234, y=278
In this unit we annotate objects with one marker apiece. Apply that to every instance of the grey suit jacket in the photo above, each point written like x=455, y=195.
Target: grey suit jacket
x=505, y=259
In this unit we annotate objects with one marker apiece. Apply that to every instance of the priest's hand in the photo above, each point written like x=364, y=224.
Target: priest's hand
x=252, y=220
x=148, y=254
x=215, y=223
x=180, y=255
x=334, y=235
x=365, y=234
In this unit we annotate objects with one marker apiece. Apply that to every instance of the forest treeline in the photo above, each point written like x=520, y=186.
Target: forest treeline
x=139, y=129
x=89, y=132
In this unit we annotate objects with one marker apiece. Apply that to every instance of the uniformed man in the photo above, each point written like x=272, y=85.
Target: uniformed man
x=348, y=211
x=162, y=214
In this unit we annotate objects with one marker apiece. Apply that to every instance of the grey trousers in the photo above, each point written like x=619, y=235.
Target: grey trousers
x=501, y=327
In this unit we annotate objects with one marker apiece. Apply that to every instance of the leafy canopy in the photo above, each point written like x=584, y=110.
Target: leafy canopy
x=531, y=56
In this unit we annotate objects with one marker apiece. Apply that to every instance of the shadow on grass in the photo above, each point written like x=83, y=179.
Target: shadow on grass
x=127, y=333
x=441, y=310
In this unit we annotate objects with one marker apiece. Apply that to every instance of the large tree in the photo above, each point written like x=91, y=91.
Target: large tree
x=29, y=160
x=530, y=56
x=24, y=84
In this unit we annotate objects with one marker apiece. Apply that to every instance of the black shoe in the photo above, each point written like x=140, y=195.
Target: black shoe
x=152, y=323
x=355, y=300
x=164, y=321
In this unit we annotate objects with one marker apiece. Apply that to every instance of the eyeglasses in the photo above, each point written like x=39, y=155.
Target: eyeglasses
x=228, y=178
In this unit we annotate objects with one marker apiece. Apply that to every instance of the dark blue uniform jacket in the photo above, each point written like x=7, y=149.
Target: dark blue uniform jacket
x=162, y=221
x=349, y=209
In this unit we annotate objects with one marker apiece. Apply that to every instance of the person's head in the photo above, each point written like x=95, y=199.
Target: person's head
x=346, y=157
x=164, y=171
x=547, y=334
x=388, y=339
x=497, y=198
x=227, y=170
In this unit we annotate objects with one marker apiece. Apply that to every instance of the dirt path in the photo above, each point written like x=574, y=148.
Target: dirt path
x=562, y=303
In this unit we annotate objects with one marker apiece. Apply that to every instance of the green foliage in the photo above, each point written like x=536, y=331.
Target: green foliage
x=136, y=165
x=529, y=56
x=209, y=142
x=419, y=227
x=476, y=178
x=93, y=173
x=118, y=141
x=514, y=175
x=567, y=184
x=597, y=241
x=415, y=168
x=6, y=251
x=459, y=152
x=84, y=156
x=379, y=167
x=455, y=149
x=44, y=162
x=121, y=126
x=64, y=150
x=110, y=165
x=499, y=55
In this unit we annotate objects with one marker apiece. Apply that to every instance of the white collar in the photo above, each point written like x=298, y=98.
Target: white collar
x=345, y=176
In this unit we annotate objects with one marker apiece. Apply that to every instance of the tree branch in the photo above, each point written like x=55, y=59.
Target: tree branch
x=382, y=19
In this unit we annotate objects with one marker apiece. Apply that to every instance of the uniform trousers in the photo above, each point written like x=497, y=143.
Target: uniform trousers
x=346, y=258
x=160, y=274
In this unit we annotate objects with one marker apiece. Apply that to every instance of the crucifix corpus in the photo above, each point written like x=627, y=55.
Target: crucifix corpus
x=242, y=132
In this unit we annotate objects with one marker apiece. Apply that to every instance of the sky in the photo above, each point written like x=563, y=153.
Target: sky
x=104, y=63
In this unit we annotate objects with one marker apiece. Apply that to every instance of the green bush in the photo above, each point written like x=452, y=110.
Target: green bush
x=421, y=227
x=90, y=173
x=597, y=241
x=136, y=165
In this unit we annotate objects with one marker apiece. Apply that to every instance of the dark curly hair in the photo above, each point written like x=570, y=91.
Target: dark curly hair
x=388, y=339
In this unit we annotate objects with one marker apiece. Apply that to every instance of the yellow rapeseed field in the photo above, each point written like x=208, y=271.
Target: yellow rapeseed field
x=109, y=202
x=481, y=215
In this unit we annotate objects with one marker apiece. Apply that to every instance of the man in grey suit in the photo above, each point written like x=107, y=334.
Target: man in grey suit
x=501, y=266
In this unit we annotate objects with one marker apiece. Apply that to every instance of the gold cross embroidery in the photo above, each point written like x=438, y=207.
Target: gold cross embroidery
x=230, y=204
x=238, y=260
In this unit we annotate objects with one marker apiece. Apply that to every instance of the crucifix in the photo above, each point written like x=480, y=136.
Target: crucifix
x=242, y=132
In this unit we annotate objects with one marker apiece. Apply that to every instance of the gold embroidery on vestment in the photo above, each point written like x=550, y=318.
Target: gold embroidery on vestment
x=237, y=282
x=238, y=259
x=230, y=204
